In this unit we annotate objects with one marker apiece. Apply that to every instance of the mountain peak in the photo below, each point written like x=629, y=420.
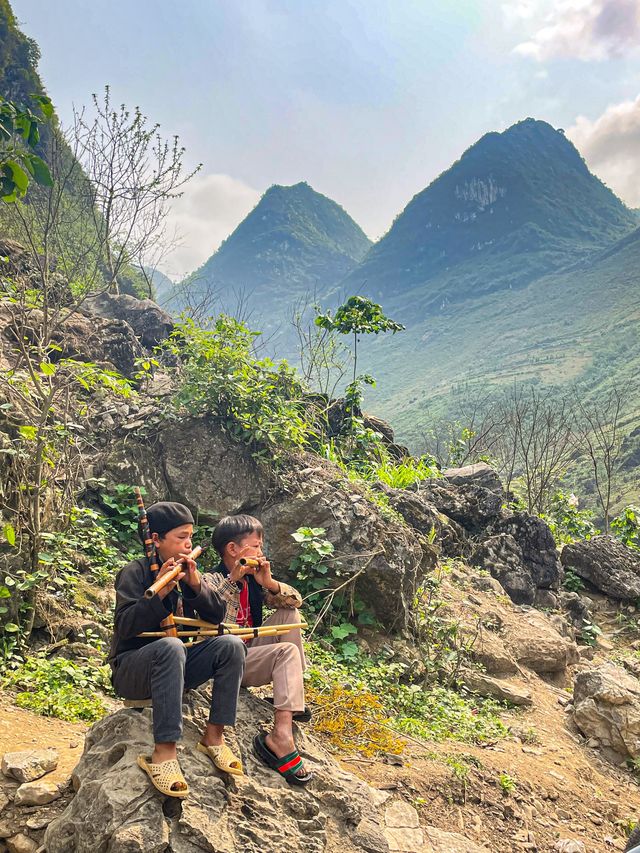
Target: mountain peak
x=517, y=204
x=295, y=241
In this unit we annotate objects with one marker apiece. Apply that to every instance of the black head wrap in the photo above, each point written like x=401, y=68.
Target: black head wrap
x=165, y=515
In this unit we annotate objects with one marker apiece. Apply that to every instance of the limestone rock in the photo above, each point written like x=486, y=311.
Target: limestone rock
x=501, y=555
x=392, y=560
x=150, y=323
x=569, y=845
x=470, y=505
x=37, y=793
x=21, y=843
x=478, y=474
x=607, y=563
x=116, y=808
x=607, y=707
x=451, y=842
x=490, y=651
x=495, y=688
x=538, y=547
x=29, y=764
x=538, y=646
x=424, y=517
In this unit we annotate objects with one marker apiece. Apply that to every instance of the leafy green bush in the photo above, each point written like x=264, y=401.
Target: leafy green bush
x=626, y=526
x=327, y=591
x=256, y=401
x=60, y=688
x=567, y=521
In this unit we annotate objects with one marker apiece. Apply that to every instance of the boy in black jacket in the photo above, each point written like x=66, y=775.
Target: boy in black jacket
x=161, y=668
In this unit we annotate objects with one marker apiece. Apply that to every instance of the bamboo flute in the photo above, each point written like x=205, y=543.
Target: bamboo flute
x=173, y=574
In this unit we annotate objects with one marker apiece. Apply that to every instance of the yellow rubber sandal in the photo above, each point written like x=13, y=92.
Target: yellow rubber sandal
x=223, y=758
x=166, y=777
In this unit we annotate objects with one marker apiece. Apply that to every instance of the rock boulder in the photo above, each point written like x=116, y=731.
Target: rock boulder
x=607, y=707
x=607, y=563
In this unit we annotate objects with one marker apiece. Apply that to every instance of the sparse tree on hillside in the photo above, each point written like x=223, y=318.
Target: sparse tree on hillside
x=133, y=174
x=599, y=428
x=537, y=443
x=323, y=357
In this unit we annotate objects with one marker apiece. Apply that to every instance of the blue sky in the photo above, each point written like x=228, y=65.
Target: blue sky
x=367, y=100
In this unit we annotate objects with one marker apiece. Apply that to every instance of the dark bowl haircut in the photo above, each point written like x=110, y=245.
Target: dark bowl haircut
x=233, y=528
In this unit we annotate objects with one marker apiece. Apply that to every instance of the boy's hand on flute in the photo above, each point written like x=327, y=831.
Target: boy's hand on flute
x=191, y=574
x=164, y=569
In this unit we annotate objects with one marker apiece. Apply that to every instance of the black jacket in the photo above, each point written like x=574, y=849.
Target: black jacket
x=135, y=613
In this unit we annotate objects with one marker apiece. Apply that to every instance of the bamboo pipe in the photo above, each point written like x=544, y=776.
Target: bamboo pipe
x=248, y=561
x=218, y=630
x=173, y=574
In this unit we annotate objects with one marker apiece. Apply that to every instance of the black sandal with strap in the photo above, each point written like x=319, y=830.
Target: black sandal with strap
x=287, y=766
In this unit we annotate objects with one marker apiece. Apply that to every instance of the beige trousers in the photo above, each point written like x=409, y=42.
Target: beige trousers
x=279, y=660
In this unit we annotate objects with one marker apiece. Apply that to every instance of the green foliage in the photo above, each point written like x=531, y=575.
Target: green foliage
x=256, y=401
x=566, y=521
x=433, y=713
x=60, y=688
x=326, y=590
x=440, y=641
x=403, y=474
x=572, y=581
x=358, y=316
x=626, y=526
x=19, y=135
x=507, y=783
x=589, y=633
x=122, y=524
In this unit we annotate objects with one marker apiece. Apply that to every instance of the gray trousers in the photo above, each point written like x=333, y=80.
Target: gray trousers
x=164, y=668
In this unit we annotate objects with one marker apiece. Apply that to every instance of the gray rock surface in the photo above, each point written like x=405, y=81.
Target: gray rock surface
x=117, y=810
x=150, y=323
x=470, y=505
x=29, y=764
x=607, y=563
x=494, y=688
x=424, y=517
x=538, y=547
x=607, y=707
x=478, y=474
x=502, y=557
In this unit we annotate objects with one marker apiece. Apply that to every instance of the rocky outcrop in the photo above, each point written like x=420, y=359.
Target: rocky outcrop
x=522, y=555
x=502, y=557
x=607, y=707
x=607, y=563
x=427, y=520
x=479, y=474
x=111, y=343
x=386, y=554
x=116, y=808
x=535, y=540
x=470, y=505
x=150, y=323
x=195, y=462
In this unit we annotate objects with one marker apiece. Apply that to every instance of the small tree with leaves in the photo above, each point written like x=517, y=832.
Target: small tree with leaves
x=358, y=316
x=19, y=136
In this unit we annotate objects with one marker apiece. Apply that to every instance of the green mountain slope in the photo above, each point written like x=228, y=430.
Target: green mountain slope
x=517, y=205
x=293, y=243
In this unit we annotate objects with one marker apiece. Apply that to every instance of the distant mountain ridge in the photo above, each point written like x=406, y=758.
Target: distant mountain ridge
x=295, y=242
x=515, y=206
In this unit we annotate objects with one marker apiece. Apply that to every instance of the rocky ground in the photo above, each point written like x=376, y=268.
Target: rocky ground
x=546, y=787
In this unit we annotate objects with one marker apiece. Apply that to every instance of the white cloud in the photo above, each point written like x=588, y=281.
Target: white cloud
x=587, y=30
x=211, y=207
x=611, y=146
